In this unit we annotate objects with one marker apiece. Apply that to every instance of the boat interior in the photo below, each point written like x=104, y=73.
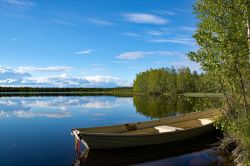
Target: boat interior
x=170, y=124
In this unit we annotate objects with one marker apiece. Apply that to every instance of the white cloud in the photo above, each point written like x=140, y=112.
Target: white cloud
x=120, y=62
x=98, y=65
x=144, y=18
x=157, y=32
x=84, y=52
x=100, y=69
x=165, y=12
x=100, y=22
x=19, y=77
x=7, y=73
x=67, y=19
x=20, y=3
x=55, y=81
x=161, y=62
x=131, y=34
x=105, y=81
x=133, y=55
x=179, y=40
x=44, y=69
x=100, y=78
x=63, y=22
x=186, y=28
x=8, y=81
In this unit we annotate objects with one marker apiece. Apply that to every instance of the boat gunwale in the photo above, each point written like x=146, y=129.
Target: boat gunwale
x=87, y=133
x=141, y=134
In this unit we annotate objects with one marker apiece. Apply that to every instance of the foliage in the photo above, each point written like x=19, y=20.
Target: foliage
x=223, y=38
x=171, y=81
x=238, y=128
x=185, y=80
x=223, y=41
x=207, y=83
x=156, y=81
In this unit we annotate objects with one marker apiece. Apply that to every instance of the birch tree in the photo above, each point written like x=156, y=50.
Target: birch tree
x=223, y=38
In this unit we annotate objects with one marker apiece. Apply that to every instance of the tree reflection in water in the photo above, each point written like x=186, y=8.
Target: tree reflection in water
x=163, y=106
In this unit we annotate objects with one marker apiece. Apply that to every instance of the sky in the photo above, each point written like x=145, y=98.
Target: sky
x=92, y=43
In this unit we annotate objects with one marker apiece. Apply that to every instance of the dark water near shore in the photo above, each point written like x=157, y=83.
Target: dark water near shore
x=36, y=130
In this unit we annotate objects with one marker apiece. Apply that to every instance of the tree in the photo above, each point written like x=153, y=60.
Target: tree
x=223, y=45
x=168, y=80
x=141, y=82
x=185, y=82
x=223, y=38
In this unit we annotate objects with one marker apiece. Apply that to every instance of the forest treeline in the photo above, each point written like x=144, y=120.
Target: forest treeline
x=55, y=89
x=170, y=80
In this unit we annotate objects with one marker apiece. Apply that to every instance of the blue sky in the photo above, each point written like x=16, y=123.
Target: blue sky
x=92, y=43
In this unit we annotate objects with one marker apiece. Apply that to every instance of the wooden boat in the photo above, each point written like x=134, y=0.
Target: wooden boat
x=133, y=156
x=166, y=130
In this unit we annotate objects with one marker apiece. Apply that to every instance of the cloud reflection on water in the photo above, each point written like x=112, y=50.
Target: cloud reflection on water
x=56, y=107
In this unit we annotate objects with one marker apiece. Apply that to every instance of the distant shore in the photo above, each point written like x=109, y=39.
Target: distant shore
x=101, y=93
x=98, y=93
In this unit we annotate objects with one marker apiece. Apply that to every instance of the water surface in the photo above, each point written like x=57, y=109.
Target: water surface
x=36, y=130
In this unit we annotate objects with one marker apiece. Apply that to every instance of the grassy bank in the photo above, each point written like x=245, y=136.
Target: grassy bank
x=236, y=138
x=203, y=94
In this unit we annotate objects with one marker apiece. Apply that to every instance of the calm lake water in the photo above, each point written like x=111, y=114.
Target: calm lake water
x=36, y=130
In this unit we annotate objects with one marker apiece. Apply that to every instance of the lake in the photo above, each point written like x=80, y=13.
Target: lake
x=36, y=130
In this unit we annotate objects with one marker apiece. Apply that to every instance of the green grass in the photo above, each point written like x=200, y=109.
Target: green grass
x=198, y=94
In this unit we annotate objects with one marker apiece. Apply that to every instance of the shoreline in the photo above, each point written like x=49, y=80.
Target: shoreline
x=196, y=94
x=101, y=93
